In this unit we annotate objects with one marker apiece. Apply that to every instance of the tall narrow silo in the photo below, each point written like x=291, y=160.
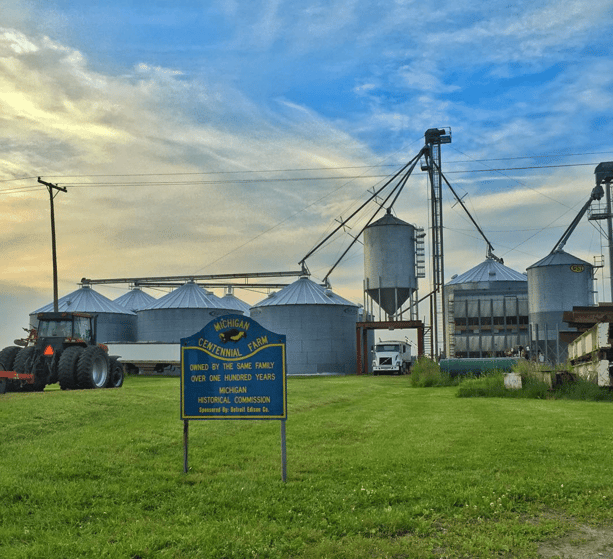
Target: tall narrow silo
x=389, y=262
x=114, y=323
x=557, y=283
x=318, y=324
x=179, y=314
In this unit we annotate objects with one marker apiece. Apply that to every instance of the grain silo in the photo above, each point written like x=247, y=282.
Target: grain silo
x=389, y=262
x=179, y=314
x=320, y=327
x=230, y=301
x=114, y=323
x=487, y=311
x=135, y=299
x=557, y=283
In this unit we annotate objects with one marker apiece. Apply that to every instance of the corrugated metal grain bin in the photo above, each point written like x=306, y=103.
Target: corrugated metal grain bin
x=179, y=314
x=135, y=299
x=319, y=326
x=557, y=283
x=114, y=323
x=487, y=311
x=230, y=301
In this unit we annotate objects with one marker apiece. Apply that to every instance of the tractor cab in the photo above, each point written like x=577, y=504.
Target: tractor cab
x=63, y=329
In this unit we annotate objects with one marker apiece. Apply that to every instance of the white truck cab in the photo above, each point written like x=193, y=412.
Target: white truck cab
x=391, y=356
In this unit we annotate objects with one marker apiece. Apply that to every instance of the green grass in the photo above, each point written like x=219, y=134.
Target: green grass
x=376, y=468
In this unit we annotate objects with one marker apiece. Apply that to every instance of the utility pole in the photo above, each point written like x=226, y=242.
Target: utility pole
x=51, y=188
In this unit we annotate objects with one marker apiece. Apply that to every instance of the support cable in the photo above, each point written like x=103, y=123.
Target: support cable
x=490, y=248
x=398, y=188
x=374, y=195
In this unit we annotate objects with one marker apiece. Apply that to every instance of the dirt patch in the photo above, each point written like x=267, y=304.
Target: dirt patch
x=583, y=543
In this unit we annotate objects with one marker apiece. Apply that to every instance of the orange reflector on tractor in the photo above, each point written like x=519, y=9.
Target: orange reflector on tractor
x=48, y=351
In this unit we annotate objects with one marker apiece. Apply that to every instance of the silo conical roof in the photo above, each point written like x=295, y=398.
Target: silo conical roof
x=304, y=292
x=559, y=258
x=85, y=299
x=488, y=271
x=135, y=299
x=189, y=296
x=230, y=301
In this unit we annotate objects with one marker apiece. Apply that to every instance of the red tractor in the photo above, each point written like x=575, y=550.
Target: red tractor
x=62, y=349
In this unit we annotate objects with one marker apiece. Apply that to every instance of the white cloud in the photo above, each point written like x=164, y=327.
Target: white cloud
x=405, y=62
x=13, y=41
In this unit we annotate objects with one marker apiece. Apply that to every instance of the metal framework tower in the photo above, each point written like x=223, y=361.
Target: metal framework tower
x=604, y=174
x=434, y=137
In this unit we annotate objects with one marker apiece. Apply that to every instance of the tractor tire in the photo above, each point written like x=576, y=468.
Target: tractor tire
x=115, y=374
x=28, y=361
x=93, y=368
x=7, y=360
x=7, y=357
x=67, y=367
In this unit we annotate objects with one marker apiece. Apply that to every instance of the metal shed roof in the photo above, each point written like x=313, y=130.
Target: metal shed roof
x=135, y=299
x=85, y=299
x=189, y=296
x=488, y=271
x=304, y=292
x=559, y=258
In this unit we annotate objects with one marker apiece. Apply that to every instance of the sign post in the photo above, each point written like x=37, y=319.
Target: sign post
x=233, y=369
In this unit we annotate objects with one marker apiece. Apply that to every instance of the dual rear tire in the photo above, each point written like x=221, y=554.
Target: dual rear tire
x=7, y=359
x=88, y=367
x=78, y=367
x=67, y=367
x=93, y=368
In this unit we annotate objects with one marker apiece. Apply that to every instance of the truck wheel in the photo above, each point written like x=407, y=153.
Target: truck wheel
x=93, y=368
x=67, y=367
x=28, y=361
x=115, y=374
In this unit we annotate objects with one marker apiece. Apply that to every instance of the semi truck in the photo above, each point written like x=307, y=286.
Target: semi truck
x=392, y=357
x=61, y=349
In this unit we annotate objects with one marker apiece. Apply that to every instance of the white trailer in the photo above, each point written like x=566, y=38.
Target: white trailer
x=148, y=357
x=392, y=357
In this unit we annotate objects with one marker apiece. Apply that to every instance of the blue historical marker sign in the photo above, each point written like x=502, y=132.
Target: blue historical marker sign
x=233, y=369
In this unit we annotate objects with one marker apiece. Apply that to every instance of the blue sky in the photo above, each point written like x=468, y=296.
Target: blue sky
x=94, y=90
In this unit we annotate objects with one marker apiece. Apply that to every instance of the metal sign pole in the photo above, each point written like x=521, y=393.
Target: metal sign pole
x=283, y=453
x=185, y=439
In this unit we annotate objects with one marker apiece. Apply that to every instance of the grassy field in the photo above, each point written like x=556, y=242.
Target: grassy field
x=376, y=468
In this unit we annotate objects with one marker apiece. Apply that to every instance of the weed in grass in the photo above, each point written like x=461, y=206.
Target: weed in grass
x=426, y=373
x=535, y=385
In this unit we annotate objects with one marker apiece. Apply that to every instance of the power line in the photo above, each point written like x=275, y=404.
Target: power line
x=125, y=184
x=540, y=156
